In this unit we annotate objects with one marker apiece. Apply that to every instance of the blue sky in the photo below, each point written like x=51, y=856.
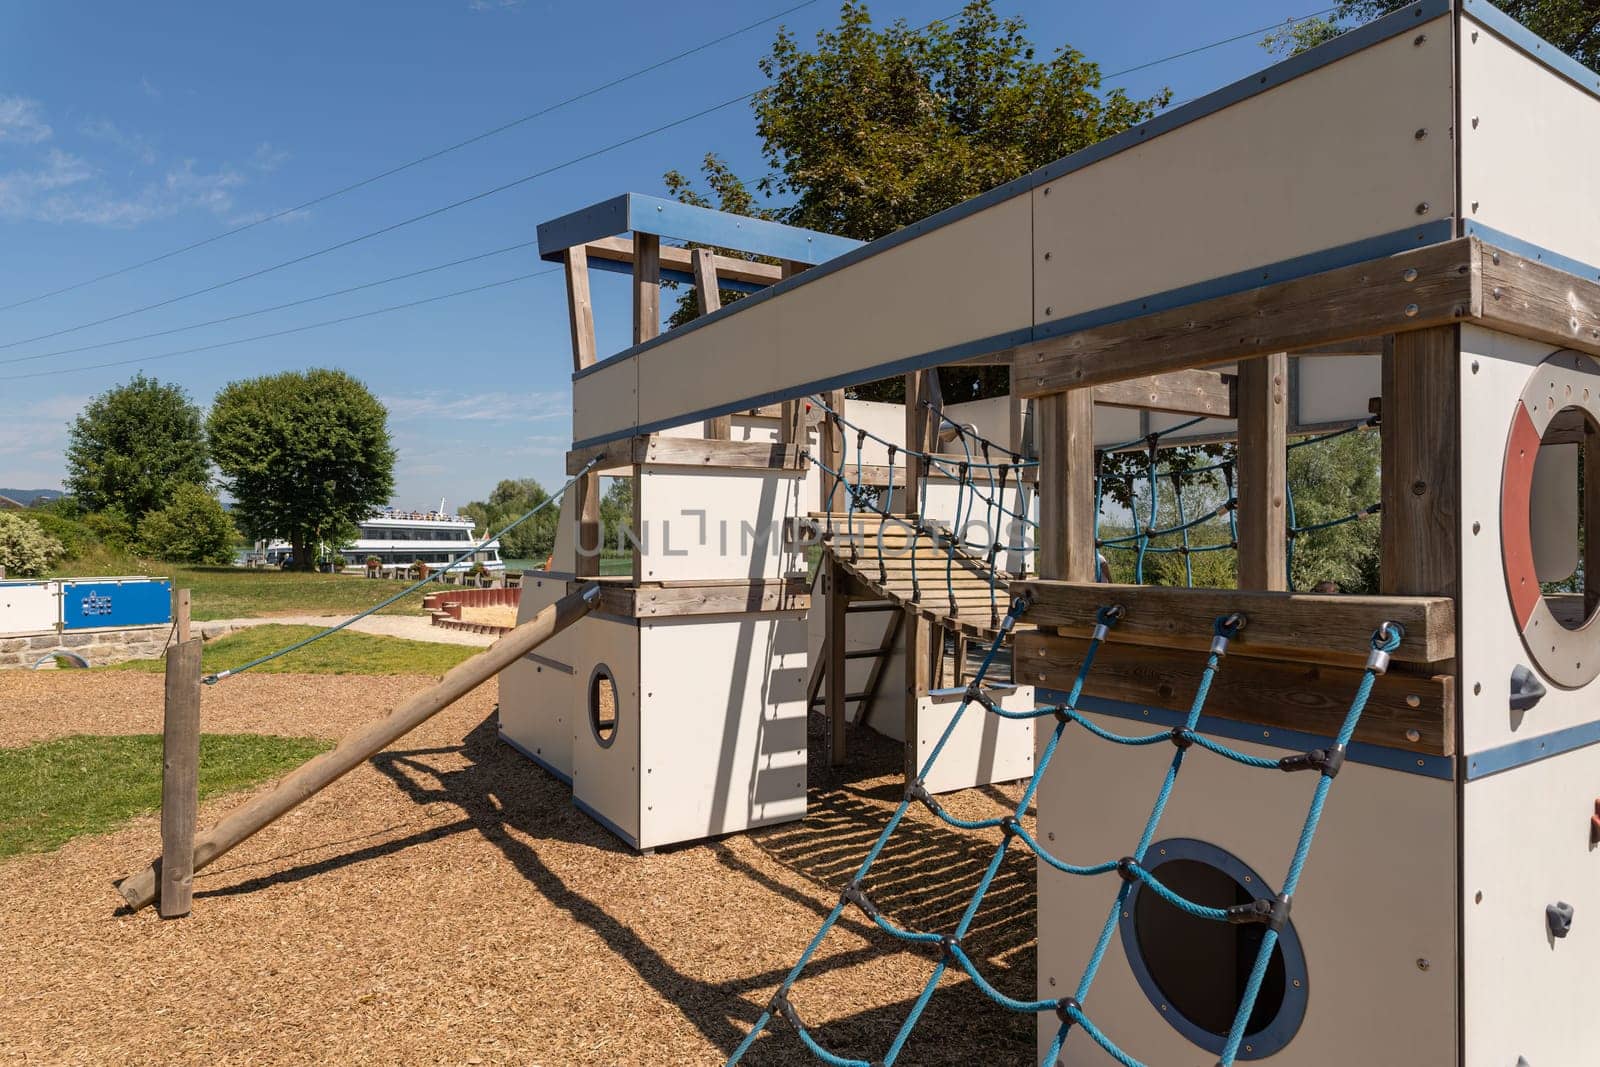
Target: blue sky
x=129, y=130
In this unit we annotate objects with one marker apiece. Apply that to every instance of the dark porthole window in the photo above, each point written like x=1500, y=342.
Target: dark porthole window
x=1195, y=970
x=603, y=705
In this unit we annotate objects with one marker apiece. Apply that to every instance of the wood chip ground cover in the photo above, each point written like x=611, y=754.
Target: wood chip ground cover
x=445, y=903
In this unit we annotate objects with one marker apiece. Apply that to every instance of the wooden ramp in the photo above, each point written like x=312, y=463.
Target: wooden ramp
x=894, y=558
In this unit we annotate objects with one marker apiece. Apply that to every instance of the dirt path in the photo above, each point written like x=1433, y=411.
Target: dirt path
x=445, y=903
x=414, y=627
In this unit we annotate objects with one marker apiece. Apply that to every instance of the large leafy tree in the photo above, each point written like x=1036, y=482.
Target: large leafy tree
x=305, y=454
x=510, y=500
x=875, y=128
x=194, y=528
x=132, y=447
x=1571, y=25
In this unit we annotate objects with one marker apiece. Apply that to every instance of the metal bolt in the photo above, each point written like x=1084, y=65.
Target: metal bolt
x=1411, y=311
x=1048, y=310
x=1422, y=208
x=1474, y=122
x=1497, y=292
x=1047, y=255
x=1474, y=366
x=1410, y=274
x=1476, y=527
x=1477, y=687
x=1420, y=134
x=1423, y=965
x=1419, y=40
x=1494, y=257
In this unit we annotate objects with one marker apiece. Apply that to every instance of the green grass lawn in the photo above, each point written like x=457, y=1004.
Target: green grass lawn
x=56, y=790
x=345, y=652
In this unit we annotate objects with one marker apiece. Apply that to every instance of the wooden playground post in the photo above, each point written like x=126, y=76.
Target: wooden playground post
x=1263, y=465
x=586, y=491
x=1065, y=438
x=180, y=765
x=709, y=297
x=838, y=605
x=1421, y=486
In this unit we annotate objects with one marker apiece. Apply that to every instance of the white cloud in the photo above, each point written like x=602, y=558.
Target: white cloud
x=134, y=144
x=500, y=406
x=22, y=121
x=149, y=90
x=268, y=158
x=66, y=188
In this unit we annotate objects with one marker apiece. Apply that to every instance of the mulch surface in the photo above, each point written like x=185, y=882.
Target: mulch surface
x=446, y=904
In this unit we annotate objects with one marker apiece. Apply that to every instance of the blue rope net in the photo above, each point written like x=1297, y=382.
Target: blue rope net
x=1131, y=870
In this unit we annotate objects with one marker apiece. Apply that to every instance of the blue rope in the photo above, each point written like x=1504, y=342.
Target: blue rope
x=213, y=679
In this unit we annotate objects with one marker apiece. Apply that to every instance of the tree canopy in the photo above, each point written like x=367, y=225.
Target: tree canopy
x=1571, y=25
x=194, y=528
x=306, y=455
x=510, y=500
x=132, y=447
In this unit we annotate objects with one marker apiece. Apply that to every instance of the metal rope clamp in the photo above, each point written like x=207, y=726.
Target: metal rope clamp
x=1104, y=620
x=1227, y=628
x=1385, y=640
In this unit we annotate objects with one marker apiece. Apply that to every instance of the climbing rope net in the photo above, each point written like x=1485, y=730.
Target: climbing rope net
x=990, y=522
x=947, y=947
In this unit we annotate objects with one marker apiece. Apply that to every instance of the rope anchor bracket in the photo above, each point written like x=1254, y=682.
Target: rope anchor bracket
x=1272, y=912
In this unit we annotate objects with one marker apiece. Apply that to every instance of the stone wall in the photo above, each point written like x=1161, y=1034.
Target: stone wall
x=99, y=647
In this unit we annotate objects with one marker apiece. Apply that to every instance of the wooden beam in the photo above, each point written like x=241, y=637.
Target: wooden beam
x=589, y=537
x=624, y=598
x=1184, y=392
x=674, y=258
x=709, y=297
x=1532, y=299
x=1294, y=626
x=182, y=605
x=355, y=748
x=916, y=422
x=1431, y=286
x=646, y=287
x=917, y=632
x=1411, y=712
x=687, y=452
x=1263, y=466
x=1421, y=490
x=180, y=777
x=1065, y=440
x=834, y=494
x=580, y=311
x=834, y=651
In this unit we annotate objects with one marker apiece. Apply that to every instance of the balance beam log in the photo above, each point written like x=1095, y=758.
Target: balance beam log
x=311, y=777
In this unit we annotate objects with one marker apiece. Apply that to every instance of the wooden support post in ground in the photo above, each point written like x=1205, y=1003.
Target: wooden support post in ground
x=180, y=614
x=709, y=297
x=646, y=287
x=916, y=630
x=180, y=775
x=356, y=748
x=838, y=604
x=1421, y=490
x=1263, y=467
x=832, y=446
x=586, y=490
x=1065, y=440
x=911, y=491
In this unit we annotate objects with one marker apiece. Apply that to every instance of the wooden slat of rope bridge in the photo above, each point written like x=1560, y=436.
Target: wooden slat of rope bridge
x=945, y=583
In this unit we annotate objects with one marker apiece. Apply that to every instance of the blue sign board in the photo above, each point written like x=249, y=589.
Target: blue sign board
x=128, y=602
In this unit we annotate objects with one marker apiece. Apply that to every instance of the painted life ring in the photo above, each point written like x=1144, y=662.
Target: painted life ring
x=1566, y=379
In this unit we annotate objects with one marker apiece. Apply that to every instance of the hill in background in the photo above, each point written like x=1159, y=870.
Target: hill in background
x=25, y=497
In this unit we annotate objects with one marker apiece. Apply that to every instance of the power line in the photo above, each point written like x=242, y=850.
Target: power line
x=285, y=333
x=352, y=187
x=1214, y=44
x=274, y=307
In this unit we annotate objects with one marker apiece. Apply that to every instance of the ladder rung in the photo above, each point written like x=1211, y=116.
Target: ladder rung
x=855, y=606
x=820, y=699
x=864, y=653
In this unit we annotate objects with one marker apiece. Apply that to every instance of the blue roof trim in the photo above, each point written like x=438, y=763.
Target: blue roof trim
x=1529, y=250
x=1339, y=48
x=1394, y=759
x=838, y=381
x=636, y=212
x=1535, y=47
x=1531, y=750
x=1285, y=270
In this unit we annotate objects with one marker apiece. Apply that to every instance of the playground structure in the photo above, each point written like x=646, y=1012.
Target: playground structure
x=1400, y=223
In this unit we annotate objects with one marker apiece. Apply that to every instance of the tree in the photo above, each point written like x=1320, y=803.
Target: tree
x=875, y=129
x=133, y=446
x=194, y=528
x=305, y=455
x=510, y=500
x=26, y=551
x=1573, y=26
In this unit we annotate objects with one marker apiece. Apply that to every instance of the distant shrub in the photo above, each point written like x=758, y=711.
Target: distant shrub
x=194, y=528
x=26, y=551
x=112, y=527
x=74, y=536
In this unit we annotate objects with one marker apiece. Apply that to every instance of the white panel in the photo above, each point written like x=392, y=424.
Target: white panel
x=1375, y=897
x=1113, y=426
x=1490, y=643
x=722, y=523
x=605, y=779
x=606, y=400
x=863, y=630
x=1530, y=148
x=1337, y=388
x=1329, y=158
x=538, y=693
x=563, y=554
x=1526, y=846
x=991, y=418
x=723, y=741
x=1554, y=507
x=984, y=749
x=29, y=607
x=885, y=421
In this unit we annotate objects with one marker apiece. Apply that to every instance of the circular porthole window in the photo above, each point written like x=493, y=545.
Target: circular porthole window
x=603, y=705
x=1195, y=970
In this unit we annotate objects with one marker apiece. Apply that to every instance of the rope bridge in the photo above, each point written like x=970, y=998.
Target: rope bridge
x=947, y=947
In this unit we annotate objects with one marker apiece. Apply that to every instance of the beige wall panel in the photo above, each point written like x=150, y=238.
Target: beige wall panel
x=984, y=749
x=1324, y=160
x=537, y=693
x=731, y=359
x=1490, y=643
x=605, y=401
x=1336, y=388
x=1527, y=846
x=723, y=736
x=701, y=523
x=1383, y=833
x=605, y=779
x=1530, y=148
